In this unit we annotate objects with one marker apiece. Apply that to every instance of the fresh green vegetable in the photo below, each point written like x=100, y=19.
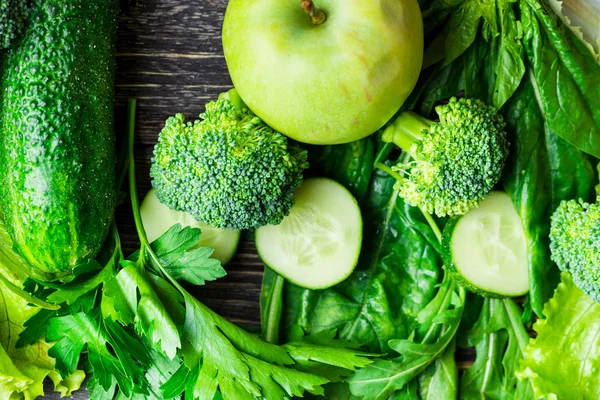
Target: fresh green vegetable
x=13, y=14
x=456, y=161
x=505, y=52
x=158, y=218
x=499, y=339
x=562, y=361
x=438, y=324
x=440, y=379
x=146, y=335
x=520, y=35
x=575, y=243
x=543, y=170
x=56, y=131
x=395, y=278
x=318, y=244
x=485, y=250
x=334, y=81
x=350, y=164
x=23, y=369
x=228, y=169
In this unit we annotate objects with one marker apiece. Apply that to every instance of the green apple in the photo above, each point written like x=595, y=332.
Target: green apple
x=327, y=72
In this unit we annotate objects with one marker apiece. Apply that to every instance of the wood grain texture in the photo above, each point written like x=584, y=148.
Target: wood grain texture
x=170, y=58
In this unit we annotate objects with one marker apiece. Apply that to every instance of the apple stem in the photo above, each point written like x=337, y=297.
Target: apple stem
x=317, y=16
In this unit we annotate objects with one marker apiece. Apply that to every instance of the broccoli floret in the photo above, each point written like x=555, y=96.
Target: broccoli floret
x=12, y=19
x=455, y=162
x=228, y=169
x=575, y=243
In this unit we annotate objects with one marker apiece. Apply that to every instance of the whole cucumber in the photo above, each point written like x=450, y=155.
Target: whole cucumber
x=57, y=156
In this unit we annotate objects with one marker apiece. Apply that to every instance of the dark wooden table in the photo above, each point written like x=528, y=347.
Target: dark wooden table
x=169, y=57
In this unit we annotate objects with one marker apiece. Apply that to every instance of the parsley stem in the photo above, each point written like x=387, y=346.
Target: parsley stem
x=132, y=181
x=145, y=248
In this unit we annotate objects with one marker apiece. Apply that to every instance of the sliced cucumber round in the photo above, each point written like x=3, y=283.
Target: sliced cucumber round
x=158, y=218
x=318, y=244
x=485, y=249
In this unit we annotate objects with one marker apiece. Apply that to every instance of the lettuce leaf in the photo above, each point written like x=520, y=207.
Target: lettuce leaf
x=23, y=370
x=563, y=361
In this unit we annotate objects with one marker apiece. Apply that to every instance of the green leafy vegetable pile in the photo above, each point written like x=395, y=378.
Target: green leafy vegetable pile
x=520, y=58
x=145, y=335
x=527, y=121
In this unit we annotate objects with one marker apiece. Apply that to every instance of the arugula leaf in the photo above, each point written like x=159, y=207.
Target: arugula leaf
x=562, y=361
x=500, y=339
x=440, y=379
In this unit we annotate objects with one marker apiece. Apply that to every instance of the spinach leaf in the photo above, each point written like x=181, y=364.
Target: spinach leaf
x=542, y=169
x=567, y=78
x=463, y=26
x=508, y=63
x=396, y=277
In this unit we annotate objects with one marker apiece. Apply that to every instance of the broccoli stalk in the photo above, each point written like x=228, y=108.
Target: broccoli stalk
x=228, y=169
x=13, y=14
x=456, y=162
x=575, y=243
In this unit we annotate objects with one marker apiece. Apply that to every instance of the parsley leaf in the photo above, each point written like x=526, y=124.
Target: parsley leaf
x=112, y=352
x=133, y=297
x=177, y=252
